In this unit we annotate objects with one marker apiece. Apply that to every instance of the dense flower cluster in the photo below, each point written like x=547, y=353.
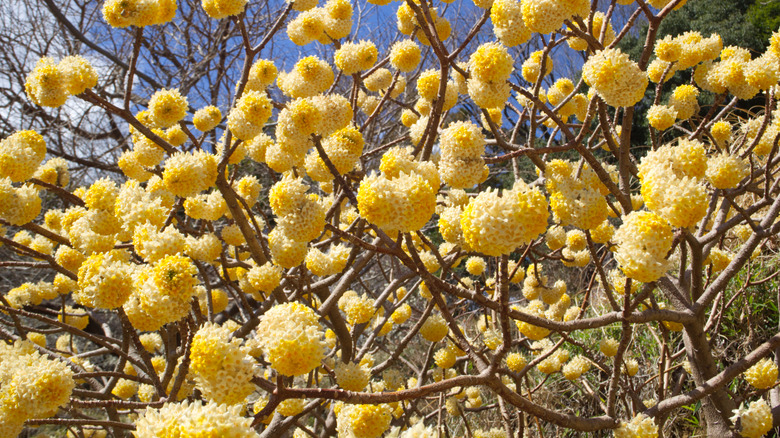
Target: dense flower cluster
x=755, y=419
x=461, y=165
x=188, y=419
x=50, y=84
x=223, y=371
x=644, y=241
x=496, y=223
x=291, y=339
x=616, y=78
x=672, y=185
x=641, y=426
x=33, y=386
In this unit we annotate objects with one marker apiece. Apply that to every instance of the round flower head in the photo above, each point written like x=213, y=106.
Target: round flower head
x=491, y=63
x=640, y=426
x=222, y=370
x=495, y=225
x=310, y=77
x=359, y=310
x=721, y=131
x=79, y=74
x=47, y=85
x=105, y=280
x=218, y=9
x=352, y=376
x=616, y=78
x=405, y=55
x=308, y=26
x=508, y=24
x=763, y=374
x=489, y=95
x=262, y=74
x=247, y=118
x=404, y=204
x=434, y=329
x=194, y=419
x=187, y=174
x=378, y=80
x=20, y=155
x=207, y=118
x=545, y=16
x=661, y=117
x=363, y=421
x=167, y=107
x=532, y=67
x=291, y=338
x=683, y=100
x=755, y=420
x=354, y=57
x=643, y=242
x=34, y=386
x=725, y=171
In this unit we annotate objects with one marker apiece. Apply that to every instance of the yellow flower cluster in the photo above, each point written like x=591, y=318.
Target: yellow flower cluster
x=187, y=174
x=545, y=16
x=20, y=155
x=18, y=205
x=351, y=58
x=461, y=165
x=763, y=374
x=359, y=309
x=532, y=67
x=684, y=101
x=194, y=419
x=105, y=280
x=363, y=421
x=578, y=366
x=161, y=293
x=167, y=107
x=661, y=117
x=755, y=420
x=403, y=203
x=508, y=24
x=352, y=376
x=643, y=242
x=34, y=386
x=616, y=78
x=343, y=149
x=218, y=9
x=301, y=218
x=153, y=245
x=495, y=225
x=50, y=84
x=222, y=370
x=576, y=198
x=725, y=171
x=207, y=118
x=738, y=74
x=405, y=55
x=247, y=118
x=672, y=185
x=291, y=339
x=598, y=24
x=139, y=13
x=333, y=262
x=641, y=426
x=490, y=67
x=310, y=76
x=434, y=329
